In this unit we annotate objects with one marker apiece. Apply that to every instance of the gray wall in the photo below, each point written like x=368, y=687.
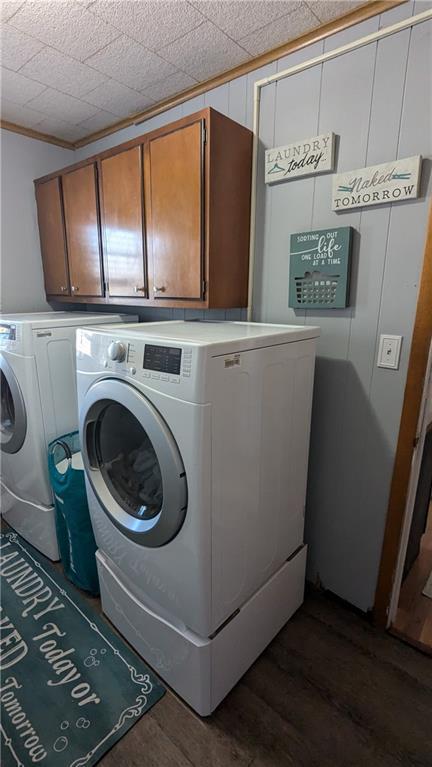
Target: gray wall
x=377, y=99
x=22, y=160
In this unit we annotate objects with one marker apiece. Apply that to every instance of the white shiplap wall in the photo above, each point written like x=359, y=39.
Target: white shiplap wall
x=378, y=100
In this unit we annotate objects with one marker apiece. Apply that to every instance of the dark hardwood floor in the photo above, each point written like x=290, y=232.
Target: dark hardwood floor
x=330, y=691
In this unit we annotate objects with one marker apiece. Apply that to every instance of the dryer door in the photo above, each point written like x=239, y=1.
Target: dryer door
x=13, y=412
x=133, y=463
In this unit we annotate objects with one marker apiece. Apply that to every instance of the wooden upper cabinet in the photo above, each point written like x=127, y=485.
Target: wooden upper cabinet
x=163, y=219
x=82, y=231
x=52, y=239
x=175, y=207
x=121, y=193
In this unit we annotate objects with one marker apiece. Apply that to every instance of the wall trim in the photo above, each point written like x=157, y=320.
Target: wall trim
x=13, y=128
x=364, y=12
x=417, y=368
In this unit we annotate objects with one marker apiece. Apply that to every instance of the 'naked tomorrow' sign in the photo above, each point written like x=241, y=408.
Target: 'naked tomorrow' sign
x=389, y=182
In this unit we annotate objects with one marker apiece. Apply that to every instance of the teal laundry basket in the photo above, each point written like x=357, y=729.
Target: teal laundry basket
x=74, y=531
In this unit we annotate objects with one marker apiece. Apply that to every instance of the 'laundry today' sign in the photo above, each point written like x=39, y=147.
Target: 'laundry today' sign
x=389, y=182
x=304, y=158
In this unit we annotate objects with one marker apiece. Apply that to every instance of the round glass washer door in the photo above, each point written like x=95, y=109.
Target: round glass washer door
x=13, y=426
x=133, y=463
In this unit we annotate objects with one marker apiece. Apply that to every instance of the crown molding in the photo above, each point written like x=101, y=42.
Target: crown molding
x=13, y=128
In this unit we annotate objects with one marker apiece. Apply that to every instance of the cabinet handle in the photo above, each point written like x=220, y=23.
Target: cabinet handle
x=74, y=288
x=63, y=289
x=159, y=290
x=137, y=289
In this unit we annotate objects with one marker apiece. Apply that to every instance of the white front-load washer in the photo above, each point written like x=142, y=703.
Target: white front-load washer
x=38, y=403
x=195, y=443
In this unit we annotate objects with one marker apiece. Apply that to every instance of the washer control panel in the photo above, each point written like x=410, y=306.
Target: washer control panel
x=9, y=335
x=149, y=362
x=162, y=359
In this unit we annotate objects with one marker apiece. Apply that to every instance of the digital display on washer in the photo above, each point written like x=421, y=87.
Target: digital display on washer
x=8, y=332
x=164, y=359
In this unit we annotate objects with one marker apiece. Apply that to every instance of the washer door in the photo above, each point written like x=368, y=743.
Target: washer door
x=13, y=412
x=133, y=463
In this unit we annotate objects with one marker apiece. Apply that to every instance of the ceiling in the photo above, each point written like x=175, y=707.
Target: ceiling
x=70, y=68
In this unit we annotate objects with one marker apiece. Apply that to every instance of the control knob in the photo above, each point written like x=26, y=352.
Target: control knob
x=116, y=351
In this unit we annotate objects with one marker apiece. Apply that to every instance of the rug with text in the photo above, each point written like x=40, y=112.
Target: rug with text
x=70, y=688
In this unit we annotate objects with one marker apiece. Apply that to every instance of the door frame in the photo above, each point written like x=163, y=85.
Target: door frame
x=412, y=491
x=411, y=410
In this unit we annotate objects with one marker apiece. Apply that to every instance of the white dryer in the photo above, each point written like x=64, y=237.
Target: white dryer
x=38, y=403
x=195, y=442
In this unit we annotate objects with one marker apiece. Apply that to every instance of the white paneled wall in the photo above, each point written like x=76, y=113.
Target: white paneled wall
x=377, y=100
x=22, y=160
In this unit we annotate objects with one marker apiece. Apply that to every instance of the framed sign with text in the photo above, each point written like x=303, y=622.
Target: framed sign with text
x=304, y=158
x=320, y=265
x=389, y=182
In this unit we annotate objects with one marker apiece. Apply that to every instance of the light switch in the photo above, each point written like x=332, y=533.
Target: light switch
x=389, y=351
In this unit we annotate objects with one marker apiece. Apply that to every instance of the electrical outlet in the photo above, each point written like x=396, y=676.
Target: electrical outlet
x=389, y=351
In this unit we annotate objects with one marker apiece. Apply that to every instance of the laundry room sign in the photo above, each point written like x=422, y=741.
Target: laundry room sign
x=320, y=265
x=69, y=687
x=389, y=182
x=304, y=158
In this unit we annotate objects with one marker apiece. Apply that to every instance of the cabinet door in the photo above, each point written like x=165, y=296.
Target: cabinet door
x=121, y=185
x=174, y=200
x=82, y=231
x=52, y=238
